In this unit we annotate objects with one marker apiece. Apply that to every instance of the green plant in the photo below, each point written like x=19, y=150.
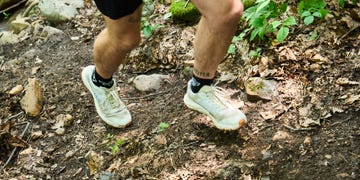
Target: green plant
x=232, y=47
x=163, y=126
x=113, y=144
x=147, y=14
x=6, y=15
x=309, y=9
x=342, y=2
x=264, y=18
x=146, y=28
x=255, y=53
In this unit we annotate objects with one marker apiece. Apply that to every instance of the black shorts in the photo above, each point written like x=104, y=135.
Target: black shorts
x=116, y=9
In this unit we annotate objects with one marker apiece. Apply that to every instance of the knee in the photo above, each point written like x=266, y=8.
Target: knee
x=126, y=42
x=228, y=15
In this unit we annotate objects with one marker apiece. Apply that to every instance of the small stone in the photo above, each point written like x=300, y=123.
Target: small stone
x=33, y=100
x=149, y=82
x=281, y=135
x=258, y=88
x=60, y=131
x=328, y=156
x=16, y=90
x=307, y=140
x=70, y=154
x=18, y=25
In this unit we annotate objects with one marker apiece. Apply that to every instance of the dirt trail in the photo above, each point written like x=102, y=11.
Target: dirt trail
x=190, y=148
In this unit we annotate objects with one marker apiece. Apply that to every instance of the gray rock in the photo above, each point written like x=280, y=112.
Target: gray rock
x=7, y=37
x=19, y=24
x=149, y=82
x=258, y=88
x=60, y=10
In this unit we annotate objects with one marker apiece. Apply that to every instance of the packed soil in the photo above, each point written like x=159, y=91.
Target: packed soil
x=309, y=130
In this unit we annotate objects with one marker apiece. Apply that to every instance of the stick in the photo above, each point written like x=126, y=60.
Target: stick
x=14, y=150
x=298, y=129
x=339, y=122
x=14, y=116
x=13, y=6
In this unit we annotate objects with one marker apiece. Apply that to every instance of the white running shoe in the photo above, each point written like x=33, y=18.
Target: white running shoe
x=208, y=101
x=107, y=102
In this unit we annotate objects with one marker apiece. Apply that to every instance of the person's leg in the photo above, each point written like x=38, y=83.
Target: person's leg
x=215, y=31
x=121, y=35
x=113, y=43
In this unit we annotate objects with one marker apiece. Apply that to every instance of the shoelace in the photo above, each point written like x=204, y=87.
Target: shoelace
x=215, y=96
x=111, y=103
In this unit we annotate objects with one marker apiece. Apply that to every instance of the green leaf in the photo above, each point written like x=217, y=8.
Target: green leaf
x=317, y=14
x=147, y=30
x=282, y=34
x=262, y=5
x=308, y=20
x=253, y=34
x=305, y=14
x=290, y=21
x=314, y=35
x=231, y=49
x=163, y=126
x=275, y=24
x=323, y=12
x=342, y=3
x=258, y=22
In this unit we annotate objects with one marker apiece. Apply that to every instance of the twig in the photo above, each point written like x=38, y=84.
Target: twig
x=186, y=4
x=297, y=129
x=340, y=122
x=13, y=6
x=14, y=150
x=347, y=33
x=14, y=116
x=147, y=96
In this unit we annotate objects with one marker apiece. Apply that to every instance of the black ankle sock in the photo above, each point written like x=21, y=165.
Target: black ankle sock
x=198, y=83
x=100, y=81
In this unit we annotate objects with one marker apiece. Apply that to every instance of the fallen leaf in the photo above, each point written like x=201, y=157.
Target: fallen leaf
x=346, y=81
x=352, y=98
x=95, y=162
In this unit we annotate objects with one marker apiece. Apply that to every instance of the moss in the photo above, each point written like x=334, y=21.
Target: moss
x=184, y=13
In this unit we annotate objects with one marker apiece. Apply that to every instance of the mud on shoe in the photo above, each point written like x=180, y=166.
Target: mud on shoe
x=210, y=102
x=107, y=102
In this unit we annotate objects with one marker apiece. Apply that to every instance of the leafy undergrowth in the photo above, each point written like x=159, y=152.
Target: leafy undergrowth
x=309, y=130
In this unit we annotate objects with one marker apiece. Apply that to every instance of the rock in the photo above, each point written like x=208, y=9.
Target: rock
x=307, y=140
x=184, y=11
x=260, y=89
x=16, y=90
x=49, y=31
x=7, y=37
x=107, y=176
x=149, y=82
x=19, y=24
x=281, y=135
x=60, y=10
x=33, y=100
